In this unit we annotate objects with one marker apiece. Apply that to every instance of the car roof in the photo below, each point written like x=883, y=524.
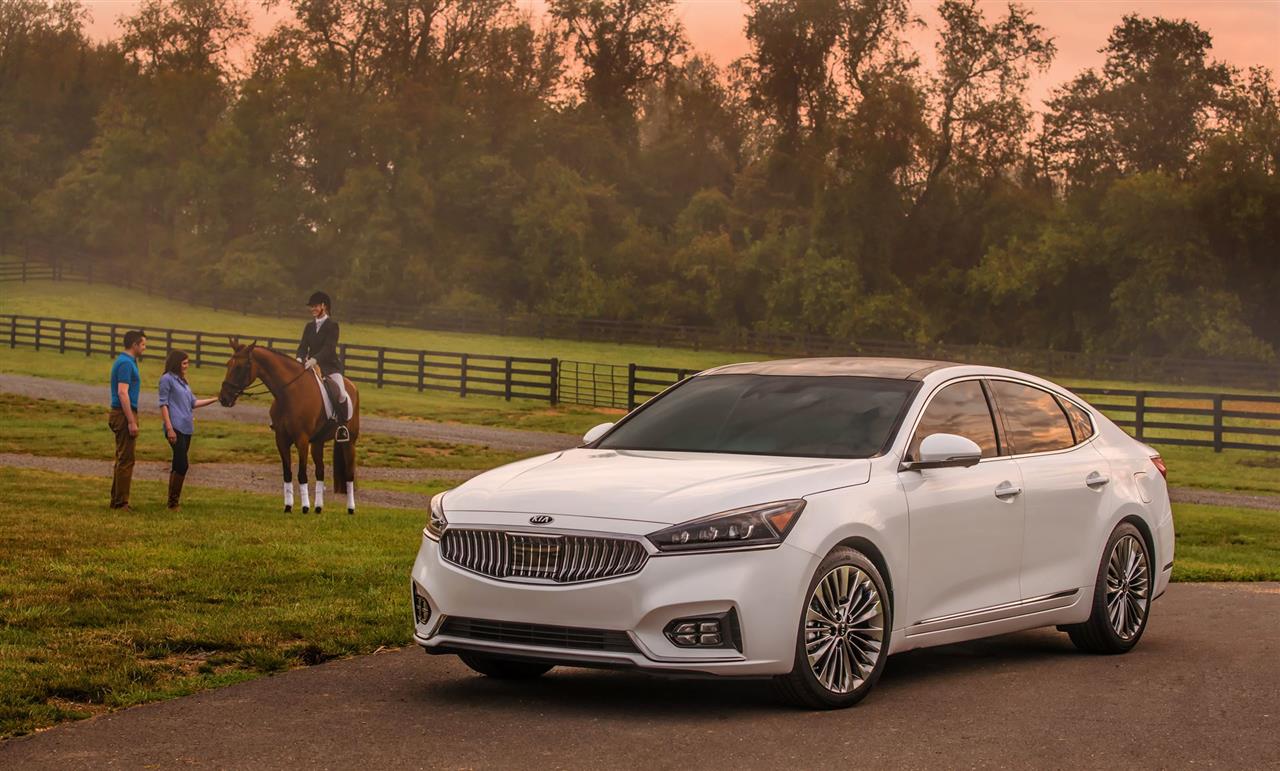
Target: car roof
x=856, y=366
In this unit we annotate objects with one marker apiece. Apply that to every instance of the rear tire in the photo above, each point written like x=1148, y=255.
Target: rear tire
x=843, y=639
x=1121, y=596
x=504, y=669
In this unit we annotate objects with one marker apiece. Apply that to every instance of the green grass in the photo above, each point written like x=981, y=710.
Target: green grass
x=100, y=302
x=69, y=430
x=105, y=609
x=1217, y=543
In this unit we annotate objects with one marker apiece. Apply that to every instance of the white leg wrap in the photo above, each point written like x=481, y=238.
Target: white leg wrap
x=351, y=496
x=288, y=493
x=319, y=493
x=306, y=495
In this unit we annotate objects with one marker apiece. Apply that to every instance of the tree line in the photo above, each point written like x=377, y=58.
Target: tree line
x=465, y=155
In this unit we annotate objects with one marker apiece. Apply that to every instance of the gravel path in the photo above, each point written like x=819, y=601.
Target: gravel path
x=246, y=477
x=454, y=433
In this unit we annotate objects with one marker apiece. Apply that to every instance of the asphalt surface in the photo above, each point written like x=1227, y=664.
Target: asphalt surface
x=256, y=413
x=1201, y=689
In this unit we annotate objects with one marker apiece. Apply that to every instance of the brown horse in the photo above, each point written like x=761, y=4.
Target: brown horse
x=298, y=418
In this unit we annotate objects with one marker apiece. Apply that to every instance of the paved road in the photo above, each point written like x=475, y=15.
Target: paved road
x=256, y=413
x=1201, y=689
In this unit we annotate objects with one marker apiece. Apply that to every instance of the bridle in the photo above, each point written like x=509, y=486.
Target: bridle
x=244, y=389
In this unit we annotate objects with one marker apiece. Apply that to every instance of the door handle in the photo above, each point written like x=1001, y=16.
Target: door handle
x=1096, y=480
x=1007, y=490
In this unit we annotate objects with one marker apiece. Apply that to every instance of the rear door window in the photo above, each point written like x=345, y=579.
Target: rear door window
x=961, y=409
x=1033, y=419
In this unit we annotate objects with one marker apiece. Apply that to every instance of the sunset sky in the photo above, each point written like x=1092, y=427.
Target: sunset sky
x=1245, y=32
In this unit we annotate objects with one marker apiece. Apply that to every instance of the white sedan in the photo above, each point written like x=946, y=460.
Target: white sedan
x=801, y=520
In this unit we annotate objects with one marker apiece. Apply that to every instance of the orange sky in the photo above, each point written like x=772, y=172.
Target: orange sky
x=1245, y=32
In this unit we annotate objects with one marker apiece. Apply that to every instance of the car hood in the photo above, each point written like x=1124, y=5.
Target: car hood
x=659, y=487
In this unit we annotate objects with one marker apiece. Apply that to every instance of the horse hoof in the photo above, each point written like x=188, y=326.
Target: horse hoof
x=288, y=509
x=318, y=509
x=351, y=511
x=305, y=509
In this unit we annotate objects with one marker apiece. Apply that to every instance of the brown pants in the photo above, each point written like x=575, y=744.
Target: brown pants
x=122, y=474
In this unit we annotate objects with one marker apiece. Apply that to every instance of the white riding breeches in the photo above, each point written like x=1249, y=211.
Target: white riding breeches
x=336, y=379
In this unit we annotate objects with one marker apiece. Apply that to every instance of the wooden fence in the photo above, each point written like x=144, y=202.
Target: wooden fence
x=1062, y=364
x=1217, y=420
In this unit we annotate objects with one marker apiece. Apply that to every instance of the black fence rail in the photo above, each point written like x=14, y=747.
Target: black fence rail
x=1062, y=364
x=508, y=377
x=1220, y=421
x=1217, y=420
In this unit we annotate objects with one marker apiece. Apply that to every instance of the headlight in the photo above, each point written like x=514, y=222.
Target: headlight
x=436, y=523
x=762, y=525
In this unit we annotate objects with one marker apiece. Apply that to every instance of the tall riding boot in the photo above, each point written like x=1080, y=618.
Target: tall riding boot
x=175, y=488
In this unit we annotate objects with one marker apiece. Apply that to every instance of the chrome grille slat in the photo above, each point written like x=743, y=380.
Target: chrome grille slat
x=550, y=557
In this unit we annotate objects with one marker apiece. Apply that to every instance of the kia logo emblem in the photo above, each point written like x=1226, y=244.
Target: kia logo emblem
x=541, y=519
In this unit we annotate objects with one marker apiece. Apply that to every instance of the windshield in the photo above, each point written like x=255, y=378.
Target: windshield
x=810, y=416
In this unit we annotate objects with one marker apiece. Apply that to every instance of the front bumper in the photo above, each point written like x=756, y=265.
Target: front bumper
x=765, y=589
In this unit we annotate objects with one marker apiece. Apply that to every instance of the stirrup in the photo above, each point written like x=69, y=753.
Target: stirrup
x=342, y=434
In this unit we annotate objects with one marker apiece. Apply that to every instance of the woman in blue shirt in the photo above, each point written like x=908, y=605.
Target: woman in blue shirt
x=177, y=404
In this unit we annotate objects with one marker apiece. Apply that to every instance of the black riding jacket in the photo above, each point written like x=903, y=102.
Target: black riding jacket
x=321, y=346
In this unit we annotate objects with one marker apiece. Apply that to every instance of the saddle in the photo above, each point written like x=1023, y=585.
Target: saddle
x=335, y=411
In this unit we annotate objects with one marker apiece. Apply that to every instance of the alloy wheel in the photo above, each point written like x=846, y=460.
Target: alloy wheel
x=1128, y=586
x=844, y=629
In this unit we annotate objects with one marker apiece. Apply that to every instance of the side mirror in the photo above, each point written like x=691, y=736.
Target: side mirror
x=596, y=433
x=946, y=451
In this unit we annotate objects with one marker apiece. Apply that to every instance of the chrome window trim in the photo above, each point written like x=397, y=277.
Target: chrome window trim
x=928, y=399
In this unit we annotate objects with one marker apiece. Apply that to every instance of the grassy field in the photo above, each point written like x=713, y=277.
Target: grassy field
x=68, y=430
x=99, y=302
x=103, y=610
x=107, y=609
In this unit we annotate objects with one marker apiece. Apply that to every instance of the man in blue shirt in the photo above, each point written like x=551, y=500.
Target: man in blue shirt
x=126, y=384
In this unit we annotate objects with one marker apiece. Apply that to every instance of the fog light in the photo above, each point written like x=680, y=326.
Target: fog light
x=719, y=631
x=421, y=609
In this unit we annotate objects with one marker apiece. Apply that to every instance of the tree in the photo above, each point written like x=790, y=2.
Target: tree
x=622, y=45
x=1152, y=108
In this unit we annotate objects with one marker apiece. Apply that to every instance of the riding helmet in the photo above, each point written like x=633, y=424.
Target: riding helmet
x=318, y=298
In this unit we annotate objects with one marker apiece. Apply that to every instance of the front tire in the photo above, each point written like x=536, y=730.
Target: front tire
x=504, y=669
x=843, y=639
x=1121, y=596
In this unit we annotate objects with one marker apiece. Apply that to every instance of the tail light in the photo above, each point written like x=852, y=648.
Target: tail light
x=1158, y=462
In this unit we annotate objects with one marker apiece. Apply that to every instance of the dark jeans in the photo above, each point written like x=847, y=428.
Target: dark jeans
x=180, y=449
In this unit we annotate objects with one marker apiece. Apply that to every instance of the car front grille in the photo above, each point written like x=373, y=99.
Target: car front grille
x=562, y=559
x=538, y=634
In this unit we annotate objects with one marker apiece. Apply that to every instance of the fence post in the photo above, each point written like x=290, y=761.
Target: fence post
x=631, y=386
x=462, y=376
x=1139, y=414
x=507, y=378
x=13, y=331
x=422, y=370
x=382, y=359
x=62, y=335
x=88, y=339
x=555, y=381
x=342, y=356
x=168, y=341
x=1217, y=423
x=37, y=329
x=111, y=346
x=199, y=345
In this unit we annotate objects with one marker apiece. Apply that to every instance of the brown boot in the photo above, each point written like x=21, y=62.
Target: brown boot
x=175, y=488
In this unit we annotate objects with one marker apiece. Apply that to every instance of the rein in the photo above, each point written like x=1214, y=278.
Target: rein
x=243, y=390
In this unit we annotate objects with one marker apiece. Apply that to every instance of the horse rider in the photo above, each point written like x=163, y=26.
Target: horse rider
x=319, y=347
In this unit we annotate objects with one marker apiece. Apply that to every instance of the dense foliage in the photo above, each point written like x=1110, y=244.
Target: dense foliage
x=459, y=154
